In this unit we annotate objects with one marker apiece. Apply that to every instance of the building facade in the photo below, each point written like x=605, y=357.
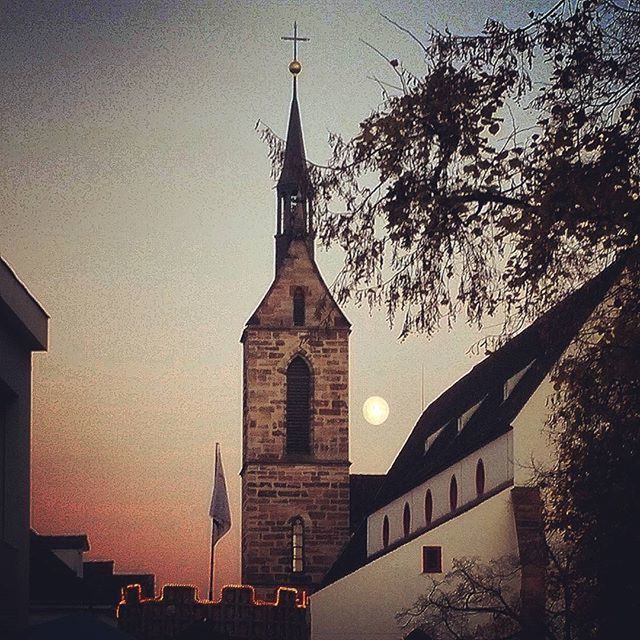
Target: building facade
x=462, y=486
x=63, y=583
x=23, y=330
x=295, y=455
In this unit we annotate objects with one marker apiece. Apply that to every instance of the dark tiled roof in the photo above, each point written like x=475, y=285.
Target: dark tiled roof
x=364, y=488
x=539, y=345
x=80, y=542
x=352, y=557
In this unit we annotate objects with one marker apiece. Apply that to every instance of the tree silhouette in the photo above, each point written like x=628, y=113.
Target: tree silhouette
x=501, y=179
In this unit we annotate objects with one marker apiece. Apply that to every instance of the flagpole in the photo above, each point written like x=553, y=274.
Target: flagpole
x=213, y=544
x=213, y=530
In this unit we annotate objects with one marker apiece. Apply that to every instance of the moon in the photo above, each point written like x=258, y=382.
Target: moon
x=375, y=410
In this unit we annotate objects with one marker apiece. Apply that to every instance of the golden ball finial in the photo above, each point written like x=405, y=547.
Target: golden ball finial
x=295, y=67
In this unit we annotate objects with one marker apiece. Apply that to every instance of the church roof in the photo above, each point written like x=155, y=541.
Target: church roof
x=294, y=167
x=436, y=441
x=363, y=490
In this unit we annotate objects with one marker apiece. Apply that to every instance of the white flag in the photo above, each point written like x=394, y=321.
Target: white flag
x=219, y=509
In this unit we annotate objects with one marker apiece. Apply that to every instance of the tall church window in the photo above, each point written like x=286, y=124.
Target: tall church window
x=297, y=545
x=406, y=519
x=480, y=477
x=298, y=307
x=428, y=507
x=298, y=406
x=385, y=532
x=453, y=493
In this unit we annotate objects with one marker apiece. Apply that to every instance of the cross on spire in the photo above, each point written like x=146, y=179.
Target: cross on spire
x=295, y=40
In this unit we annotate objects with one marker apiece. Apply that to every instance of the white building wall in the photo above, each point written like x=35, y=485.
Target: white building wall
x=531, y=446
x=363, y=605
x=497, y=457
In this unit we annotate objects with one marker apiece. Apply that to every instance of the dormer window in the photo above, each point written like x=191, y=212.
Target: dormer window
x=428, y=443
x=467, y=415
x=512, y=382
x=298, y=307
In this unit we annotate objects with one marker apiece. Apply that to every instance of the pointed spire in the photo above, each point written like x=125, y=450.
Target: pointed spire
x=295, y=219
x=294, y=168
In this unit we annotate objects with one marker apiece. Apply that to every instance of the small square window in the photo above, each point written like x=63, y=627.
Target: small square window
x=431, y=559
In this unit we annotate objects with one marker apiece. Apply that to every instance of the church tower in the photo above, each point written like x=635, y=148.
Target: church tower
x=295, y=447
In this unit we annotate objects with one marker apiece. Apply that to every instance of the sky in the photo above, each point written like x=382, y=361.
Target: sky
x=136, y=204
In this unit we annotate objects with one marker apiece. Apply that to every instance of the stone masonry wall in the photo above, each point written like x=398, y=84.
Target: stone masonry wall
x=272, y=495
x=277, y=486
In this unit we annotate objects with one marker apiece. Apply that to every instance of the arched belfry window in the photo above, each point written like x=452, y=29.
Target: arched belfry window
x=298, y=406
x=297, y=545
x=298, y=307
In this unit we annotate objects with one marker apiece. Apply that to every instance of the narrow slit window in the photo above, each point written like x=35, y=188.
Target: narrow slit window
x=297, y=545
x=298, y=307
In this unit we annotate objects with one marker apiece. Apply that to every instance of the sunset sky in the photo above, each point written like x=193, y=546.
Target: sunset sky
x=136, y=204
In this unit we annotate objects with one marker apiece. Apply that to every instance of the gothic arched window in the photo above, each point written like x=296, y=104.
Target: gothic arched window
x=385, y=532
x=406, y=519
x=480, y=477
x=297, y=545
x=298, y=406
x=428, y=507
x=453, y=493
x=298, y=307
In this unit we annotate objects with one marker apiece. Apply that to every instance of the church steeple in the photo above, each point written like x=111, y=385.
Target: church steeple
x=295, y=412
x=295, y=218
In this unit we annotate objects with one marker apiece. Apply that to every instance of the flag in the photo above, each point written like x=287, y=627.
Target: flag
x=219, y=509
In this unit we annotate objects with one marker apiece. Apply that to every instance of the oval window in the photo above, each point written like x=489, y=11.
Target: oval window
x=385, y=532
x=428, y=507
x=453, y=493
x=406, y=519
x=480, y=477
